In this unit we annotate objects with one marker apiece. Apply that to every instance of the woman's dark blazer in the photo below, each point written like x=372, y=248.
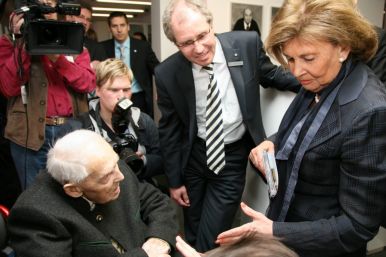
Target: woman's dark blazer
x=340, y=195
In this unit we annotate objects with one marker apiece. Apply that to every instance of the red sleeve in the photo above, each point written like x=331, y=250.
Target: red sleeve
x=10, y=81
x=78, y=74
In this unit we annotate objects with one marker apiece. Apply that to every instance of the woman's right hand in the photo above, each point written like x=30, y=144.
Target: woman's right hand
x=256, y=154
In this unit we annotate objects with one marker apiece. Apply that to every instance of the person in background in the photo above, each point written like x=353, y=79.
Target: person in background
x=139, y=35
x=331, y=142
x=256, y=246
x=91, y=34
x=9, y=182
x=113, y=79
x=43, y=91
x=247, y=23
x=96, y=51
x=378, y=62
x=138, y=56
x=90, y=204
x=209, y=184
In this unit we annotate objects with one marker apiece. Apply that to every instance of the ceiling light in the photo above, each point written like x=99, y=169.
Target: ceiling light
x=117, y=9
x=124, y=2
x=107, y=15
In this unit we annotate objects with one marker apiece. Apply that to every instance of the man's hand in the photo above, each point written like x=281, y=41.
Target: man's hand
x=180, y=195
x=16, y=21
x=256, y=154
x=94, y=64
x=155, y=247
x=185, y=249
x=259, y=225
x=140, y=154
x=53, y=57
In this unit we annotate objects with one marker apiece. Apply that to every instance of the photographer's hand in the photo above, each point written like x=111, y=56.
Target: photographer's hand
x=140, y=154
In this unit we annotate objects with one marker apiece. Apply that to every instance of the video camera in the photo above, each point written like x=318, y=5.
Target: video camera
x=125, y=144
x=51, y=36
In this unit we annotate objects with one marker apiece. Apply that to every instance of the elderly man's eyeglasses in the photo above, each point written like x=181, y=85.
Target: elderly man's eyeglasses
x=190, y=43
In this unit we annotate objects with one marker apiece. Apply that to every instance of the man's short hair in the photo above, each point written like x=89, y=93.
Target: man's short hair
x=117, y=14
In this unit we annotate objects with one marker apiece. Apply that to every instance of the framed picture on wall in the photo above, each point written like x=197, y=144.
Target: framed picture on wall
x=246, y=17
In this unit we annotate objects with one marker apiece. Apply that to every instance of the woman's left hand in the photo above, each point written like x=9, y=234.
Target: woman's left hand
x=260, y=225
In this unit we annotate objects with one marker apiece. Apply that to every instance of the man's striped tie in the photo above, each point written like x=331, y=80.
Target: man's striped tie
x=215, y=151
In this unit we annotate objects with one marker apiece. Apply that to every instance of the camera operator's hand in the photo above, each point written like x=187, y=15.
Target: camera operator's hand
x=94, y=64
x=16, y=21
x=53, y=57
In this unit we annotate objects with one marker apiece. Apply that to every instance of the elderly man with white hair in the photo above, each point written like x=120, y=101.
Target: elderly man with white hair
x=90, y=204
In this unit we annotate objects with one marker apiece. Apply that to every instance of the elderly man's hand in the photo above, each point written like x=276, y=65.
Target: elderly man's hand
x=256, y=154
x=155, y=247
x=259, y=225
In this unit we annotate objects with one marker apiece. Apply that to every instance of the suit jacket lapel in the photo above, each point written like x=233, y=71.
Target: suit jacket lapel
x=111, y=50
x=133, y=54
x=185, y=80
x=235, y=65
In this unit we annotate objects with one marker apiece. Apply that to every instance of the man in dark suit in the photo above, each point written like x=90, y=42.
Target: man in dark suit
x=247, y=23
x=138, y=55
x=210, y=195
x=378, y=63
x=90, y=204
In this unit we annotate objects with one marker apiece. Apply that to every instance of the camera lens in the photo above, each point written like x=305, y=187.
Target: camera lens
x=50, y=35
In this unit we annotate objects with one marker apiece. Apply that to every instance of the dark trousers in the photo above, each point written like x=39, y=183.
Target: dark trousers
x=28, y=162
x=214, y=199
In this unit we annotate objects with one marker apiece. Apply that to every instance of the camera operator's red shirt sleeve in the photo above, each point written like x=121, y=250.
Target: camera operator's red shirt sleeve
x=10, y=81
x=78, y=74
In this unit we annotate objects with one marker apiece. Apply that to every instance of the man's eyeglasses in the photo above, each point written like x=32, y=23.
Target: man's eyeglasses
x=200, y=39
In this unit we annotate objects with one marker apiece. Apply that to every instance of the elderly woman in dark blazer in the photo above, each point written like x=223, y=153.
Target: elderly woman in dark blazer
x=331, y=144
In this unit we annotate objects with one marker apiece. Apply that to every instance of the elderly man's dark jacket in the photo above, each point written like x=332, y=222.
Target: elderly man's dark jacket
x=47, y=222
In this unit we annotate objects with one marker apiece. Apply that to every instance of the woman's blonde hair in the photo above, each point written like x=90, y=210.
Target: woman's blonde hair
x=110, y=69
x=335, y=21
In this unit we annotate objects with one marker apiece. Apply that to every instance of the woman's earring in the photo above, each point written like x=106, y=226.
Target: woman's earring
x=341, y=59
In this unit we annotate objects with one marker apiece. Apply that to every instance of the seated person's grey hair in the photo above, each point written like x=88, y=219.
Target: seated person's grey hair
x=256, y=246
x=67, y=161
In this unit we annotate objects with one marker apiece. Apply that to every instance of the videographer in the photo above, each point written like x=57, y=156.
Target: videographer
x=113, y=86
x=43, y=91
x=96, y=51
